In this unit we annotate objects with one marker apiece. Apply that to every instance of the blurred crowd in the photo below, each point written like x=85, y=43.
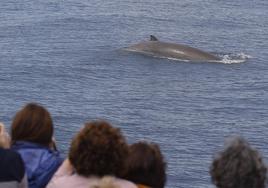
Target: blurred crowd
x=100, y=157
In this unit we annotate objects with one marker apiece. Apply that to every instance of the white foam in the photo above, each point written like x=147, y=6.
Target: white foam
x=244, y=56
x=234, y=58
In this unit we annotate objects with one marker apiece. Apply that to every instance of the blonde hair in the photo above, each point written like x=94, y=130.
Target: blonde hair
x=4, y=137
x=106, y=182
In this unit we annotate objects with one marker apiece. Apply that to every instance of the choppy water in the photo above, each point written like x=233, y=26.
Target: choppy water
x=65, y=54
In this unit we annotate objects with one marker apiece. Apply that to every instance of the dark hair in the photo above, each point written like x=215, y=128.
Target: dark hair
x=32, y=123
x=99, y=149
x=146, y=165
x=238, y=166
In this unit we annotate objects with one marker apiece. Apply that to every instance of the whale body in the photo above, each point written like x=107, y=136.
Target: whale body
x=154, y=47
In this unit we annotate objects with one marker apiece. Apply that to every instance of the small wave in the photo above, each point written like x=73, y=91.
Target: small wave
x=234, y=58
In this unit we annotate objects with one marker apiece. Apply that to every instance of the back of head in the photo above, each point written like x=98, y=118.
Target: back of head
x=146, y=165
x=32, y=123
x=99, y=149
x=238, y=166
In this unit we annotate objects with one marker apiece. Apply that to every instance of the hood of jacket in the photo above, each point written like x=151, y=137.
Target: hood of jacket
x=40, y=161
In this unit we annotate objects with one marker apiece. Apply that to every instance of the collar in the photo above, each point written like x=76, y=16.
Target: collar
x=27, y=144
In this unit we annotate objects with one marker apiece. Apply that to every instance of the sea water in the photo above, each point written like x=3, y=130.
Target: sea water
x=65, y=54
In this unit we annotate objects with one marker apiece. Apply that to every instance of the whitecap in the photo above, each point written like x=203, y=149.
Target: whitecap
x=234, y=58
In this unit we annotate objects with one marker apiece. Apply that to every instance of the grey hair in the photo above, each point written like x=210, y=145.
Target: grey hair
x=238, y=166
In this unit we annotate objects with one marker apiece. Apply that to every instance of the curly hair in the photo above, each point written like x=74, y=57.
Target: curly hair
x=238, y=166
x=32, y=123
x=146, y=165
x=99, y=149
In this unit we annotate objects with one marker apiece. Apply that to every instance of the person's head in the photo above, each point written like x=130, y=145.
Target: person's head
x=238, y=166
x=146, y=165
x=99, y=149
x=32, y=123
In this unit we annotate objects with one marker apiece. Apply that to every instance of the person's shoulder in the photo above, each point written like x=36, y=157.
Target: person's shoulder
x=49, y=162
x=9, y=155
x=67, y=181
x=11, y=166
x=124, y=183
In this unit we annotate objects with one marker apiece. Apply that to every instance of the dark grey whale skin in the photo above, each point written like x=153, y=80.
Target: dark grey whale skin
x=158, y=48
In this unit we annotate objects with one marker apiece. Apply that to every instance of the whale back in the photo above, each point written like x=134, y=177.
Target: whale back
x=158, y=48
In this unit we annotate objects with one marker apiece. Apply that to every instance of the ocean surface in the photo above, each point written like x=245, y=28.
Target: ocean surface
x=66, y=55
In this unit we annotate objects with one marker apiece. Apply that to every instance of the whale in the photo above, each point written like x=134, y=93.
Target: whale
x=157, y=48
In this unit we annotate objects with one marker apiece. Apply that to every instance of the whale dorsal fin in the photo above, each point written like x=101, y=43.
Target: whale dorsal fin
x=153, y=38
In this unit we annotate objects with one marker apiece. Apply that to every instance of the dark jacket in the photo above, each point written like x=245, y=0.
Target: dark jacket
x=40, y=162
x=12, y=171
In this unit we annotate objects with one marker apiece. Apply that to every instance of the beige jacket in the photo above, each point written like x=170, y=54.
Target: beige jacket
x=64, y=177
